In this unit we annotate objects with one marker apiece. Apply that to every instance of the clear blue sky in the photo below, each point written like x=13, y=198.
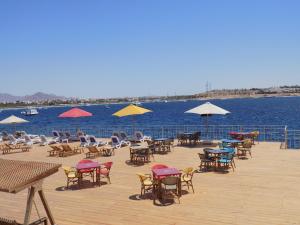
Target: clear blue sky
x=154, y=47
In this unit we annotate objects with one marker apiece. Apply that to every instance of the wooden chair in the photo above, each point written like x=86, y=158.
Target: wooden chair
x=170, y=188
x=205, y=162
x=71, y=173
x=142, y=156
x=244, y=148
x=146, y=183
x=86, y=172
x=187, y=177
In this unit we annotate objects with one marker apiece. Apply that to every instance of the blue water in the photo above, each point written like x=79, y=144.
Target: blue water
x=262, y=111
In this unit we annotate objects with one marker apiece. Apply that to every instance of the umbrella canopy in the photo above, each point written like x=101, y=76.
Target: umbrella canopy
x=74, y=113
x=207, y=109
x=13, y=120
x=131, y=110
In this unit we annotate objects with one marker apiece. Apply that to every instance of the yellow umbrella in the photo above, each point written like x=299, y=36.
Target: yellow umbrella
x=131, y=110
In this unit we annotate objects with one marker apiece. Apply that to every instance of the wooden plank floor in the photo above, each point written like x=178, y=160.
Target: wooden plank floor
x=262, y=190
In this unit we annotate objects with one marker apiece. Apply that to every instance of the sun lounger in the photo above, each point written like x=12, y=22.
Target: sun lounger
x=9, y=148
x=45, y=141
x=93, y=152
x=94, y=142
x=67, y=150
x=14, y=141
x=55, y=150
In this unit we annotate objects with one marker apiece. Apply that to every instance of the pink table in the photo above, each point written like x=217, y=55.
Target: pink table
x=87, y=166
x=158, y=174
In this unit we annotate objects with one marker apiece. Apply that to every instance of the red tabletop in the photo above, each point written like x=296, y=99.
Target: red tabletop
x=90, y=165
x=165, y=172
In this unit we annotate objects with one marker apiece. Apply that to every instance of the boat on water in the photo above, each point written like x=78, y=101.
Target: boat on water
x=30, y=112
x=136, y=103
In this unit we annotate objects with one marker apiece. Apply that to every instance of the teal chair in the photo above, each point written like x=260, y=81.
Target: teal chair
x=227, y=160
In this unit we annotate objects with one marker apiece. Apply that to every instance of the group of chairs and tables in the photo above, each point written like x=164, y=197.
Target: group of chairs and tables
x=223, y=157
x=142, y=152
x=87, y=168
x=166, y=182
x=189, y=138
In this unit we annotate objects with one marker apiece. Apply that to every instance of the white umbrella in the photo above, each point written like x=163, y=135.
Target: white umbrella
x=13, y=120
x=207, y=109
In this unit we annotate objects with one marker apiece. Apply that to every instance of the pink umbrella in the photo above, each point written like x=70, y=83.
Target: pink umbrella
x=74, y=113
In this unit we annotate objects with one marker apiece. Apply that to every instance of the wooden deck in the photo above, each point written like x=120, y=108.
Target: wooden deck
x=262, y=190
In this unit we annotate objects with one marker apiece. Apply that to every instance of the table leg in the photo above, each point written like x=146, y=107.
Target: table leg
x=46, y=207
x=31, y=193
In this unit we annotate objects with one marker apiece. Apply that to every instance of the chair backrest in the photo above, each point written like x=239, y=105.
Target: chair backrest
x=55, y=133
x=27, y=138
x=11, y=138
x=170, y=180
x=202, y=156
x=93, y=149
x=116, y=133
x=188, y=170
x=68, y=169
x=85, y=161
x=92, y=139
x=67, y=134
x=159, y=166
x=61, y=134
x=43, y=138
x=115, y=140
x=4, y=134
x=83, y=139
x=138, y=135
x=123, y=135
x=66, y=148
x=247, y=143
x=142, y=177
x=107, y=165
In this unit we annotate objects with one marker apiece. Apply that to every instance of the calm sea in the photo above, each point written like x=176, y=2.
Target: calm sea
x=262, y=111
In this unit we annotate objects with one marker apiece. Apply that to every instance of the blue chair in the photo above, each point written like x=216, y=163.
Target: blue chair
x=227, y=160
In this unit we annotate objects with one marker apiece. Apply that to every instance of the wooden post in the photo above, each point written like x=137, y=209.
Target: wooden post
x=29, y=204
x=46, y=206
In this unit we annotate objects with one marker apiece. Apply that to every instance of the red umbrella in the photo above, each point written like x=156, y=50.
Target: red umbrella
x=74, y=113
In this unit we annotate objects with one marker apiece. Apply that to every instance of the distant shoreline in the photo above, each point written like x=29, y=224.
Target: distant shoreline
x=167, y=99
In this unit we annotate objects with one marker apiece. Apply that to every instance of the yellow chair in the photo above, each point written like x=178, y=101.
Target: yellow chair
x=146, y=183
x=255, y=135
x=244, y=148
x=71, y=173
x=187, y=177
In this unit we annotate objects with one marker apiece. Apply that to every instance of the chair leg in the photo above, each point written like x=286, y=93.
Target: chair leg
x=191, y=183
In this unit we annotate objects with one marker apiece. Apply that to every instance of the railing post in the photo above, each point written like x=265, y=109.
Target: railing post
x=285, y=137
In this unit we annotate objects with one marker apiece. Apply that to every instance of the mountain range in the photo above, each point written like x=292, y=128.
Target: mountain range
x=37, y=97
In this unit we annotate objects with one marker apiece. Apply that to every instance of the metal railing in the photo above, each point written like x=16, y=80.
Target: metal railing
x=274, y=133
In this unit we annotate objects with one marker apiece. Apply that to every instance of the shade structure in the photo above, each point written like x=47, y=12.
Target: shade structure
x=13, y=120
x=208, y=109
x=131, y=110
x=75, y=113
